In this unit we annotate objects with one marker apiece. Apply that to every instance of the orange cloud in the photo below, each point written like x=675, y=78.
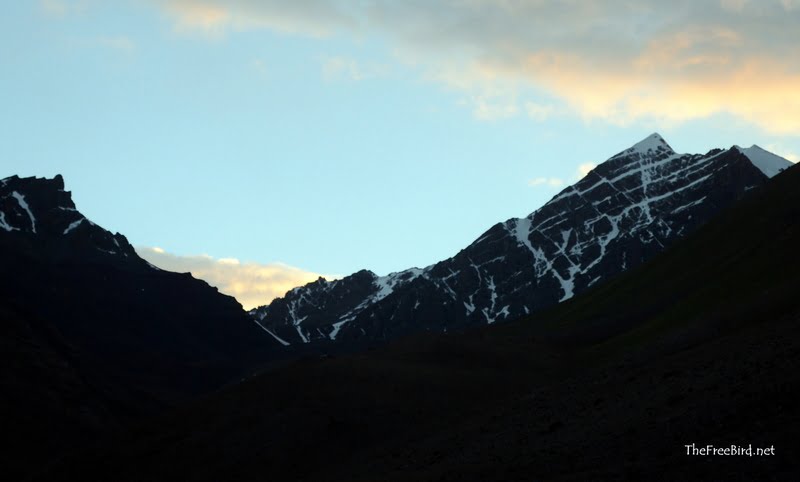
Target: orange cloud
x=762, y=91
x=193, y=15
x=615, y=60
x=310, y=17
x=252, y=284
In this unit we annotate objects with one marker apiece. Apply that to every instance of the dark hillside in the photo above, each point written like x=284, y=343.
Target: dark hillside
x=698, y=346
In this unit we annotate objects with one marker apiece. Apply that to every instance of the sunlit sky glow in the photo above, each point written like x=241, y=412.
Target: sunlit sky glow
x=325, y=136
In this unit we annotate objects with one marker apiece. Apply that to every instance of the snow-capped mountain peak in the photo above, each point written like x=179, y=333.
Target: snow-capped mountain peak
x=624, y=212
x=650, y=145
x=767, y=162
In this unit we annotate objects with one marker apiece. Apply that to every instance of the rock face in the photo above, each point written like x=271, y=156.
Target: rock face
x=621, y=214
x=90, y=300
x=92, y=337
x=38, y=216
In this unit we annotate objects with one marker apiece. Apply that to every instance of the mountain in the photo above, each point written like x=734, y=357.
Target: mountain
x=92, y=335
x=698, y=346
x=621, y=214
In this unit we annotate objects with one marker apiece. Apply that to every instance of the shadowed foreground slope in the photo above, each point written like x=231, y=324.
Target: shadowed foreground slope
x=698, y=346
x=92, y=337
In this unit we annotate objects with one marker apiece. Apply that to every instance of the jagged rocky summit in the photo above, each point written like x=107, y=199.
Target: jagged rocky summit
x=622, y=213
x=39, y=216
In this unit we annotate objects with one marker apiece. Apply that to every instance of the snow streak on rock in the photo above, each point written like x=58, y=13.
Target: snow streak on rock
x=622, y=213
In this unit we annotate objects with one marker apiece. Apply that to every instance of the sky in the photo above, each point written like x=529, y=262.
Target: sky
x=261, y=144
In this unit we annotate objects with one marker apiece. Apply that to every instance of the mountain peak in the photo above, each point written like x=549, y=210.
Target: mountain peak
x=653, y=142
x=767, y=162
x=652, y=145
x=59, y=180
x=35, y=207
x=23, y=198
x=629, y=210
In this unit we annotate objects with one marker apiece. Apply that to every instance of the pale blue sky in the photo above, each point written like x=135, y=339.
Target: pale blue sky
x=333, y=138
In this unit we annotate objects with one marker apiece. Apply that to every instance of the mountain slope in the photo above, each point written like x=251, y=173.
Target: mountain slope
x=621, y=214
x=699, y=345
x=93, y=335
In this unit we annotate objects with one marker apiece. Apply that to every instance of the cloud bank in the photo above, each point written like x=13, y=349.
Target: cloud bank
x=614, y=60
x=252, y=284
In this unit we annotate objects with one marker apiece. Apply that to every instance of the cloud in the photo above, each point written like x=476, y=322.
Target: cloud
x=59, y=8
x=490, y=97
x=252, y=284
x=790, y=4
x=546, y=181
x=538, y=112
x=584, y=169
x=317, y=18
x=486, y=108
x=580, y=173
x=614, y=60
x=54, y=7
x=733, y=5
x=783, y=152
x=336, y=68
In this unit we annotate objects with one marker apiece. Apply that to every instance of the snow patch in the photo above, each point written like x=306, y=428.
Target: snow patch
x=24, y=205
x=765, y=161
x=302, y=335
x=691, y=204
x=73, y=225
x=522, y=232
x=4, y=224
x=504, y=312
x=653, y=142
x=152, y=266
x=279, y=339
x=336, y=327
x=387, y=284
x=469, y=306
